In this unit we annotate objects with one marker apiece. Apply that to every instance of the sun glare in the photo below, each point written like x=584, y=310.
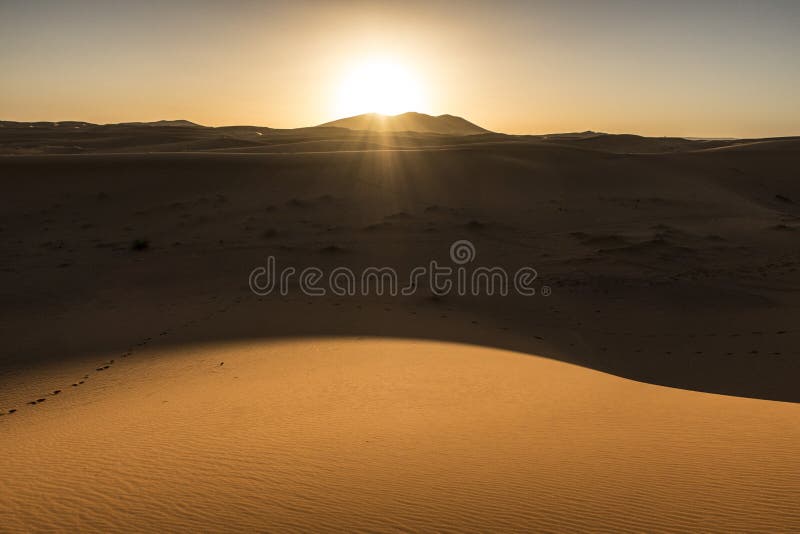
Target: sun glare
x=379, y=86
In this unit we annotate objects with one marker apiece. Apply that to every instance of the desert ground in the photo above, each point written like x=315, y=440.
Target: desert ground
x=143, y=386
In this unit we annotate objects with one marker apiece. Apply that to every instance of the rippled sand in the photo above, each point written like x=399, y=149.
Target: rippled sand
x=390, y=435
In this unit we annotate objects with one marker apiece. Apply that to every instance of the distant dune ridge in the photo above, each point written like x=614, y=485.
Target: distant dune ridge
x=80, y=124
x=179, y=122
x=362, y=132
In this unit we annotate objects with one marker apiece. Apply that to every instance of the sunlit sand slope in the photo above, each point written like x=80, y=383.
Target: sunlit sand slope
x=390, y=435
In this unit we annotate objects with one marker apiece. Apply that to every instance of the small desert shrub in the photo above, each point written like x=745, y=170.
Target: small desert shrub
x=140, y=244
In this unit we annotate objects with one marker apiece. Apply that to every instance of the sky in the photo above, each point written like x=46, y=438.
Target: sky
x=700, y=68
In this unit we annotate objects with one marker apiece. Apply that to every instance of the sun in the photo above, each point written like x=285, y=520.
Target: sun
x=379, y=86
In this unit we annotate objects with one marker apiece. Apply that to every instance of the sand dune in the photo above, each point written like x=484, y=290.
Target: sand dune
x=125, y=287
x=691, y=249
x=391, y=435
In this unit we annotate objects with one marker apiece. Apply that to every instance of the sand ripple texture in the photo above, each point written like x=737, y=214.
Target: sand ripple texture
x=393, y=435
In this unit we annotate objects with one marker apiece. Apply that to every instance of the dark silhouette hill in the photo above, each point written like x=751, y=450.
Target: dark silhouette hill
x=408, y=122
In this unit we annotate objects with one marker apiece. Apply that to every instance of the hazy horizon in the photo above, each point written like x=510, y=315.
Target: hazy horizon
x=690, y=69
